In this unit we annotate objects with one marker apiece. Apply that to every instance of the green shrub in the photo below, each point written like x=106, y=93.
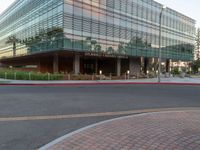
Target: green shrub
x=175, y=71
x=21, y=75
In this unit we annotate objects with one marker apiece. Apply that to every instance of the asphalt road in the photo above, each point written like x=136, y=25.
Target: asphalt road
x=27, y=101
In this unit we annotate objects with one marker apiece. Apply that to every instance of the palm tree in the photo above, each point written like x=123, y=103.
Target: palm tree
x=197, y=52
x=93, y=44
x=122, y=48
x=12, y=40
x=110, y=50
x=97, y=48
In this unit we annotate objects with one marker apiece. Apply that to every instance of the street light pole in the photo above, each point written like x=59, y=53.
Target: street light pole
x=160, y=53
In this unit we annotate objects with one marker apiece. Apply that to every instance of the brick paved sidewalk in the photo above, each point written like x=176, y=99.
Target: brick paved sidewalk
x=153, y=131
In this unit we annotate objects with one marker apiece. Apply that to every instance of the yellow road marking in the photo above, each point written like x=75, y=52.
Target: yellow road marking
x=103, y=114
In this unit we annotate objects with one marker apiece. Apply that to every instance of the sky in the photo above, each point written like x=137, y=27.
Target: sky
x=188, y=7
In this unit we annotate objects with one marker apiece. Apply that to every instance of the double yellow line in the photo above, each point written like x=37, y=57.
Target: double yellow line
x=86, y=115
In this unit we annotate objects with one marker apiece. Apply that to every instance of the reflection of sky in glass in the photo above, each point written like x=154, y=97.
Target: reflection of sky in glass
x=4, y=4
x=189, y=8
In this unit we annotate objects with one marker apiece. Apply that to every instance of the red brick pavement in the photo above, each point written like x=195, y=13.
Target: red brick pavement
x=153, y=131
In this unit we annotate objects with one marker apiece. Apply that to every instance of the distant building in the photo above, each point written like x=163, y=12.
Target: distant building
x=85, y=36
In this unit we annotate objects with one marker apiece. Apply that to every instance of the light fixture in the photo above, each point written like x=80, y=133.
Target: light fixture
x=160, y=53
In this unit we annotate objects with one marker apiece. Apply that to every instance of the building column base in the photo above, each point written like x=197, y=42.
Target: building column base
x=55, y=63
x=76, y=64
x=134, y=65
x=118, y=67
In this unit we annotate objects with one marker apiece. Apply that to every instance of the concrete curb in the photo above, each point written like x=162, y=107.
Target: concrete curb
x=58, y=140
x=99, y=83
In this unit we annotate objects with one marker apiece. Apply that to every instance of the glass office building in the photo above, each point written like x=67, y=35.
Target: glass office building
x=36, y=25
x=121, y=29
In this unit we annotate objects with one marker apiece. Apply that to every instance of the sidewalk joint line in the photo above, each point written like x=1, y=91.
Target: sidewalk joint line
x=86, y=115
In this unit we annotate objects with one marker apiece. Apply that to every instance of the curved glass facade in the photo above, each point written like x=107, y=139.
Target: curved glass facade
x=117, y=27
x=34, y=25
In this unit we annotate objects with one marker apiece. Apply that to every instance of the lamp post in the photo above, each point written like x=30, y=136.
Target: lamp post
x=100, y=73
x=160, y=54
x=128, y=73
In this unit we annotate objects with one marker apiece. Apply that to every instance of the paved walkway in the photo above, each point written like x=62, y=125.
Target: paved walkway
x=154, y=80
x=175, y=130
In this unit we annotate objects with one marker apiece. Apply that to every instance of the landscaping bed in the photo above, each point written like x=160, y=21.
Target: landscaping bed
x=24, y=75
x=21, y=75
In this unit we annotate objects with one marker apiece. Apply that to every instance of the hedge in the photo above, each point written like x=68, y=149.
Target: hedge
x=20, y=75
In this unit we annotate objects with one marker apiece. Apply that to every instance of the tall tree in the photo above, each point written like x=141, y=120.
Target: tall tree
x=122, y=48
x=195, y=65
x=110, y=50
x=13, y=40
x=198, y=43
x=50, y=34
x=97, y=48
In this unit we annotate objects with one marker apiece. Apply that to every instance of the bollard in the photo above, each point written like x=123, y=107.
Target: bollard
x=5, y=75
x=48, y=76
x=29, y=76
x=68, y=76
x=15, y=76
x=128, y=74
x=100, y=73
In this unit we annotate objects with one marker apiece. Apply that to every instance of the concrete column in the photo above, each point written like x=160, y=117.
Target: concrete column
x=179, y=65
x=96, y=66
x=76, y=64
x=168, y=65
x=146, y=63
x=118, y=66
x=152, y=64
x=55, y=63
x=135, y=65
x=152, y=60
